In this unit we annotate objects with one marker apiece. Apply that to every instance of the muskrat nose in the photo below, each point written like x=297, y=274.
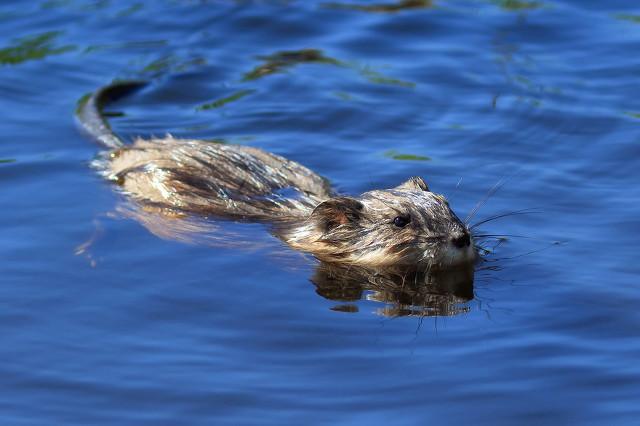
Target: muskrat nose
x=462, y=241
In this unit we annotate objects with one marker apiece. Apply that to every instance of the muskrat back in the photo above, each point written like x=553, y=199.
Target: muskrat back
x=201, y=177
x=405, y=225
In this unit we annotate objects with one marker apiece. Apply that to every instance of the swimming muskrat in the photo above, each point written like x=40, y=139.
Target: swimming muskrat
x=405, y=225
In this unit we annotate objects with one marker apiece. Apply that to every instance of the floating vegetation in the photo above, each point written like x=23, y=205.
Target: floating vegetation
x=633, y=114
x=631, y=18
x=223, y=101
x=343, y=96
x=518, y=5
x=383, y=7
x=7, y=160
x=378, y=78
x=33, y=48
x=405, y=157
x=285, y=59
x=171, y=63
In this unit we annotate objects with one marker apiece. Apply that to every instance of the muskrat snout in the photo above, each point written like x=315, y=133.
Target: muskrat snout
x=462, y=241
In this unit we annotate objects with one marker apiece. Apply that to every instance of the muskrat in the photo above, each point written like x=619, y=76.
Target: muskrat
x=405, y=225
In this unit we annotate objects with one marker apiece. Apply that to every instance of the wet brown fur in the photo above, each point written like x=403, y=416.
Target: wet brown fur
x=186, y=176
x=243, y=183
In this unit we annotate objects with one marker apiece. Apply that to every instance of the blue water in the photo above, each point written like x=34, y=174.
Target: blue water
x=103, y=322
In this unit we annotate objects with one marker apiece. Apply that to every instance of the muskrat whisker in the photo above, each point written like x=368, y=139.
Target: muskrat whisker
x=483, y=201
x=498, y=244
x=488, y=237
x=489, y=268
x=483, y=249
x=527, y=253
x=507, y=236
x=497, y=236
x=456, y=188
x=491, y=248
x=499, y=216
x=459, y=183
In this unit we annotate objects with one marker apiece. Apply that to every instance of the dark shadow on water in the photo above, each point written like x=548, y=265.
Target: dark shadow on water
x=279, y=61
x=33, y=48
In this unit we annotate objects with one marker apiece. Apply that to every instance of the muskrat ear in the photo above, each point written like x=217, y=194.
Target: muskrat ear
x=415, y=183
x=337, y=211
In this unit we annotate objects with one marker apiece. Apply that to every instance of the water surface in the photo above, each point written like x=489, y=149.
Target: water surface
x=104, y=322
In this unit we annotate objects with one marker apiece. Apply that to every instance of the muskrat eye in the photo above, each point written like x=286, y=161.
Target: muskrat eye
x=401, y=221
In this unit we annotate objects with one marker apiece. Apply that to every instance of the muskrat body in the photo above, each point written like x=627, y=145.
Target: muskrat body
x=233, y=181
x=405, y=225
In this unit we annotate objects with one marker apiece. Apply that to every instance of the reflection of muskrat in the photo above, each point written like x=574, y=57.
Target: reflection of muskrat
x=405, y=225
x=403, y=291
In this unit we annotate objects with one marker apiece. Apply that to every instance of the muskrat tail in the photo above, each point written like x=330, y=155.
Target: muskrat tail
x=89, y=112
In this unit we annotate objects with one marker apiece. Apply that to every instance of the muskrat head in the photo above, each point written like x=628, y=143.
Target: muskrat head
x=406, y=225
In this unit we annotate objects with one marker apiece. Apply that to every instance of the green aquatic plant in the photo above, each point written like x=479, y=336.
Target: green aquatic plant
x=631, y=18
x=7, y=160
x=383, y=7
x=223, y=101
x=633, y=114
x=279, y=61
x=518, y=5
x=33, y=48
x=345, y=96
x=395, y=155
x=379, y=78
x=171, y=63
